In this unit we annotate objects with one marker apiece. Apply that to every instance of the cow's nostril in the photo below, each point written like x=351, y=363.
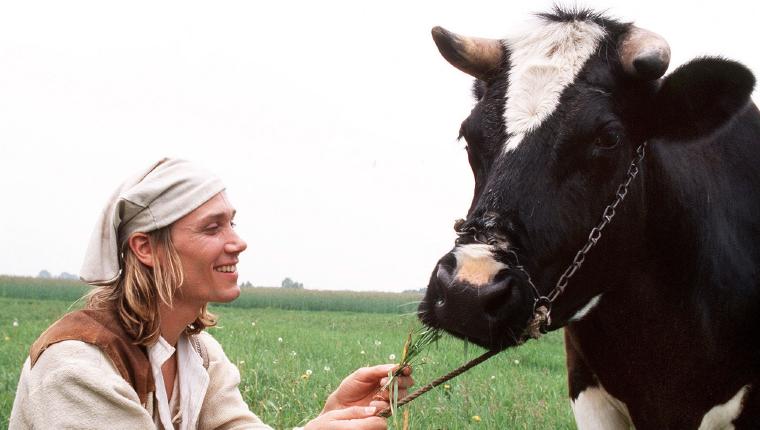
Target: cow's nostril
x=495, y=298
x=444, y=281
x=444, y=277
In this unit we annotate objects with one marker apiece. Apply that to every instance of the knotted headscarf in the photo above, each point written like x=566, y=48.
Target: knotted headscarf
x=165, y=192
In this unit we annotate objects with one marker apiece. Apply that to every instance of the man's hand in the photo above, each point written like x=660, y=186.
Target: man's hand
x=353, y=418
x=354, y=404
x=363, y=388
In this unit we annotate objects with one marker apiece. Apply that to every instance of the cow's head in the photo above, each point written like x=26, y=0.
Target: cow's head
x=560, y=112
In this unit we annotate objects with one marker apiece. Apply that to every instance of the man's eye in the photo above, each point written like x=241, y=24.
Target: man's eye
x=212, y=227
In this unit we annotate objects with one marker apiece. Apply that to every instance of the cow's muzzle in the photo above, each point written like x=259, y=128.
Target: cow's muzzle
x=493, y=314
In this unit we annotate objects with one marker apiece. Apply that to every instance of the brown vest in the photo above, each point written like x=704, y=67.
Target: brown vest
x=102, y=329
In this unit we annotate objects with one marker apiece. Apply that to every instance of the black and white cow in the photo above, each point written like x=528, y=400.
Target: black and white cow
x=662, y=320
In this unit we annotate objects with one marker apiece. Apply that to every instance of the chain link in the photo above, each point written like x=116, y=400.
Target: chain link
x=596, y=232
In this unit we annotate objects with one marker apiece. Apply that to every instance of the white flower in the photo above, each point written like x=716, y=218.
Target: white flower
x=15, y=323
x=279, y=339
x=253, y=323
x=274, y=361
x=327, y=368
x=517, y=361
x=392, y=357
x=493, y=377
x=241, y=362
x=309, y=372
x=293, y=353
x=378, y=343
x=362, y=352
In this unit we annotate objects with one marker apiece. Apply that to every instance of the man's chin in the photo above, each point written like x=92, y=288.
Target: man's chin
x=229, y=294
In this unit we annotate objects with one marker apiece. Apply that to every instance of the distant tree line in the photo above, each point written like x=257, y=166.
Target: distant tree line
x=286, y=283
x=289, y=283
x=44, y=274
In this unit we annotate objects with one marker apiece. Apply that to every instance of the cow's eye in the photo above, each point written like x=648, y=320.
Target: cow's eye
x=607, y=141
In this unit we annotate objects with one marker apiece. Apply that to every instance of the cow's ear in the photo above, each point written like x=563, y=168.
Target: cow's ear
x=700, y=96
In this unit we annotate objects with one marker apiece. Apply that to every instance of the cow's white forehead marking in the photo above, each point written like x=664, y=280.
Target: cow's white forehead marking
x=543, y=61
x=722, y=416
x=476, y=265
x=586, y=309
x=596, y=409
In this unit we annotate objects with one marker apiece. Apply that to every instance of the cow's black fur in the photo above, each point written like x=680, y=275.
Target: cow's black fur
x=677, y=330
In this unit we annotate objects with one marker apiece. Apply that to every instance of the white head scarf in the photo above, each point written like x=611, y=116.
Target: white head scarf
x=155, y=198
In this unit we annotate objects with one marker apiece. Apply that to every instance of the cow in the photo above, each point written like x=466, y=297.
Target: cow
x=620, y=204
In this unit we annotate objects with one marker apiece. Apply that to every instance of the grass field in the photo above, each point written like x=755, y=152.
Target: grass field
x=522, y=388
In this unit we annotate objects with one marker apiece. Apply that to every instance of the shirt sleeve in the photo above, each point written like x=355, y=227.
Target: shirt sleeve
x=74, y=385
x=223, y=407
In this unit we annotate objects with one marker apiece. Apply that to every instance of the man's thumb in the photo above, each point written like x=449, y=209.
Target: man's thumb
x=352, y=413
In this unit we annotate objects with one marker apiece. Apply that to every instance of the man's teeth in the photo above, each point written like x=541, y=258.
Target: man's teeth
x=226, y=269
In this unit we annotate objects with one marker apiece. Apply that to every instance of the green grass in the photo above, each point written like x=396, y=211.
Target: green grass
x=41, y=289
x=523, y=388
x=258, y=297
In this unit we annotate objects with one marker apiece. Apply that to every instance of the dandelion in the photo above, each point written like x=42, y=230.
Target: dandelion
x=327, y=368
x=362, y=352
x=7, y=338
x=493, y=377
x=517, y=361
x=279, y=339
x=378, y=343
x=253, y=323
x=15, y=323
x=476, y=418
x=446, y=386
x=305, y=376
x=392, y=357
x=241, y=362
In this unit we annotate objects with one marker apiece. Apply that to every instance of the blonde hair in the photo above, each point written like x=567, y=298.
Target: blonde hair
x=137, y=295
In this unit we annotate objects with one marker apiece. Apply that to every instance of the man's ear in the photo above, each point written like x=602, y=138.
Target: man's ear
x=139, y=243
x=701, y=96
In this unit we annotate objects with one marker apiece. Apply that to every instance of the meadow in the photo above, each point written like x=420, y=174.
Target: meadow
x=290, y=360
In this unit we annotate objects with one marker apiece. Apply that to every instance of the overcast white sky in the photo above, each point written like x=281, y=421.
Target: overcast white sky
x=333, y=124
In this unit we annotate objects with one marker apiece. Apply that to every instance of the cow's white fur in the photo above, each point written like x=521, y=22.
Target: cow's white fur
x=586, y=309
x=476, y=265
x=721, y=417
x=596, y=409
x=543, y=61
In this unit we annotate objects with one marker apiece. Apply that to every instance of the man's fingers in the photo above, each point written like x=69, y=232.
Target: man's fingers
x=379, y=404
x=355, y=417
x=352, y=413
x=374, y=373
x=405, y=381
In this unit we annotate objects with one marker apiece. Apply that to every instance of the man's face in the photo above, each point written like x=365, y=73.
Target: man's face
x=208, y=247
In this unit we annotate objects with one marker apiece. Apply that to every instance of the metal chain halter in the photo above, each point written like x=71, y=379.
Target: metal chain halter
x=542, y=307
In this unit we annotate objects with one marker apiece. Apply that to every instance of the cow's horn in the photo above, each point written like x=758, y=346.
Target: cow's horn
x=644, y=54
x=475, y=56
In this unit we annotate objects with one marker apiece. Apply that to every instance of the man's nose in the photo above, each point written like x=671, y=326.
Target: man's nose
x=236, y=244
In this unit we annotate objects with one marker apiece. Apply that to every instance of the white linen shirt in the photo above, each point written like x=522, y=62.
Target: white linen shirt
x=74, y=385
x=191, y=379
